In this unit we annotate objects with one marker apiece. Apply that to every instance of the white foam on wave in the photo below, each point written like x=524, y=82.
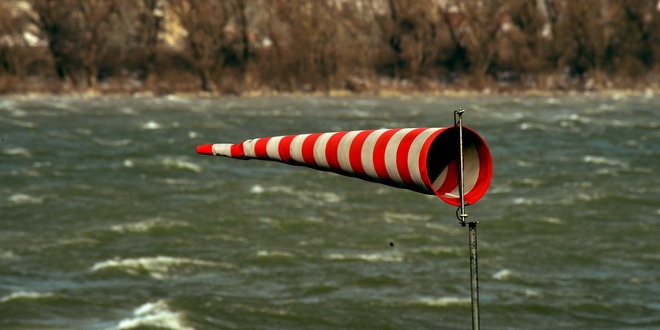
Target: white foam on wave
x=274, y=254
x=503, y=275
x=7, y=254
x=257, y=189
x=151, y=125
x=25, y=295
x=147, y=225
x=553, y=220
x=305, y=196
x=156, y=314
x=526, y=201
x=159, y=267
x=20, y=123
x=440, y=301
x=531, y=293
x=23, y=199
x=371, y=257
x=534, y=126
x=599, y=160
x=178, y=163
x=17, y=152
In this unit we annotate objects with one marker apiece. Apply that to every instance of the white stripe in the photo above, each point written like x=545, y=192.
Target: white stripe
x=390, y=154
x=272, y=148
x=368, y=152
x=222, y=149
x=344, y=151
x=296, y=147
x=319, y=149
x=415, y=155
x=248, y=148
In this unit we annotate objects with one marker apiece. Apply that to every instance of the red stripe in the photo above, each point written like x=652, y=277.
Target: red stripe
x=485, y=174
x=402, y=155
x=237, y=150
x=355, y=152
x=260, y=148
x=308, y=149
x=379, y=153
x=331, y=149
x=284, y=148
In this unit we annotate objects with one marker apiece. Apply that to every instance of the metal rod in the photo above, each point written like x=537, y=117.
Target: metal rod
x=461, y=186
x=474, y=272
x=472, y=226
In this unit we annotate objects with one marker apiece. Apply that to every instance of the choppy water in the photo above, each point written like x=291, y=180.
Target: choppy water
x=109, y=220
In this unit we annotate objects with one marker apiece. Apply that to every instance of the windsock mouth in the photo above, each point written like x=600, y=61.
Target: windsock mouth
x=442, y=172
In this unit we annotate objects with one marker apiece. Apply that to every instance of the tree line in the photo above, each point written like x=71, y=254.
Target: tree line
x=239, y=46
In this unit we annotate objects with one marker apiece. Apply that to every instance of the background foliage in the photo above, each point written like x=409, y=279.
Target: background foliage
x=239, y=46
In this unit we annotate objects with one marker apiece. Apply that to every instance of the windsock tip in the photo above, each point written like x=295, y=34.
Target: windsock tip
x=205, y=149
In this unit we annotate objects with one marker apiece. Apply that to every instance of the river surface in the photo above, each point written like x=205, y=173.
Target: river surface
x=110, y=220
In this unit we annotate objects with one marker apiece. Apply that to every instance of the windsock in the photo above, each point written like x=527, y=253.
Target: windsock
x=425, y=160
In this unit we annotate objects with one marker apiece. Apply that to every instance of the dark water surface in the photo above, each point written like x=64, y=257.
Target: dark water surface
x=109, y=220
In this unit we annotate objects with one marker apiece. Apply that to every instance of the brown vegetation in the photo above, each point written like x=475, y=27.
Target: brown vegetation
x=242, y=46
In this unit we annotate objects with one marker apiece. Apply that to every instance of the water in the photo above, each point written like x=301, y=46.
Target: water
x=111, y=221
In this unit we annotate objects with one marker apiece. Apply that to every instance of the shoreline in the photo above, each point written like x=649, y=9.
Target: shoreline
x=649, y=92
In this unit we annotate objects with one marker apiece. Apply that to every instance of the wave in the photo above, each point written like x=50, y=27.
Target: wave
x=599, y=160
x=177, y=163
x=151, y=125
x=371, y=257
x=274, y=254
x=156, y=314
x=393, y=217
x=23, y=199
x=7, y=254
x=147, y=225
x=503, y=275
x=17, y=152
x=440, y=301
x=305, y=196
x=112, y=143
x=19, y=123
x=159, y=267
x=25, y=295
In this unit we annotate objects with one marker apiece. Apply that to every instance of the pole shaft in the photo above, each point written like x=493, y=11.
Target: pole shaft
x=474, y=281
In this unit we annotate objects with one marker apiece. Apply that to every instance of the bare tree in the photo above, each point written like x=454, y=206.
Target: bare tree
x=77, y=32
x=206, y=22
x=413, y=32
x=635, y=40
x=150, y=14
x=52, y=17
x=95, y=26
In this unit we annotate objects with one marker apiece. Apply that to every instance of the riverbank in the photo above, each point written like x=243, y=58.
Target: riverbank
x=347, y=93
x=382, y=88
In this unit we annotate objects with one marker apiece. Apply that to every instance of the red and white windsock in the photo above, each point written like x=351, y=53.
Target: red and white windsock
x=425, y=160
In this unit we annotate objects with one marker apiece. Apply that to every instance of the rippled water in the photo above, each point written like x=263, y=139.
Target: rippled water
x=111, y=221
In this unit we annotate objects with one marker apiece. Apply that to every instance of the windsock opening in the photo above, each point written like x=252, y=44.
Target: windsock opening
x=442, y=172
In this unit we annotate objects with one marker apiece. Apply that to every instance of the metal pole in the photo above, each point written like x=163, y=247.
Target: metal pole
x=474, y=280
x=472, y=226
